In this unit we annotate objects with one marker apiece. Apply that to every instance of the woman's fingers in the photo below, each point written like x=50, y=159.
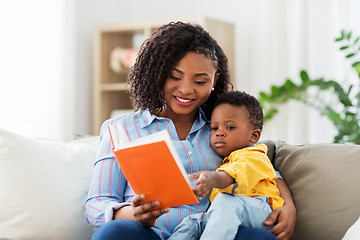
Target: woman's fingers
x=139, y=209
x=137, y=200
x=151, y=216
x=145, y=213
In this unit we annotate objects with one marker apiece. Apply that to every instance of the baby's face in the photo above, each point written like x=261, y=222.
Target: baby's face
x=230, y=129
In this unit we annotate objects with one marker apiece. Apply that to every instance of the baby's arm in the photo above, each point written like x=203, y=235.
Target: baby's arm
x=207, y=180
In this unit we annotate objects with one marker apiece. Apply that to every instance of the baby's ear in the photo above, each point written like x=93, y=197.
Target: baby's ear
x=255, y=135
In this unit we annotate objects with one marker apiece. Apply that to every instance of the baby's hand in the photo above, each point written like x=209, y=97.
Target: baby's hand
x=203, y=185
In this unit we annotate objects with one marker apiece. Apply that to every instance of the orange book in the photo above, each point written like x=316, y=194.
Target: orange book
x=152, y=167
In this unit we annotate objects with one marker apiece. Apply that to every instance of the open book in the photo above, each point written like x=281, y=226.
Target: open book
x=152, y=167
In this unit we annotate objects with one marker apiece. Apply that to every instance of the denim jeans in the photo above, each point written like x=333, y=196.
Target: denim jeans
x=222, y=220
x=124, y=229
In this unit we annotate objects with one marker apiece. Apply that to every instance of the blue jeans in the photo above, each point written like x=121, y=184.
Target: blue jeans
x=124, y=229
x=222, y=220
x=129, y=230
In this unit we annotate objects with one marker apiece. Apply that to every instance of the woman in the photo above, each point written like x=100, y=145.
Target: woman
x=179, y=71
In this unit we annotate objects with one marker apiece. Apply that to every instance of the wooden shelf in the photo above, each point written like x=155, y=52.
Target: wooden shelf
x=113, y=87
x=110, y=89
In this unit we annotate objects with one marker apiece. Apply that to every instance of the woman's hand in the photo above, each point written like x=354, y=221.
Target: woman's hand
x=145, y=213
x=284, y=217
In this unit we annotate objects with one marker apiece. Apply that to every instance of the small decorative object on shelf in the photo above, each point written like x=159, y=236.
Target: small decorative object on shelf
x=122, y=59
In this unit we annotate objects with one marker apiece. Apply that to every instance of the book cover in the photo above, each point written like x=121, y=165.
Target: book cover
x=152, y=167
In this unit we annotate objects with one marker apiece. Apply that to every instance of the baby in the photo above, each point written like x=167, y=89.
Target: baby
x=243, y=189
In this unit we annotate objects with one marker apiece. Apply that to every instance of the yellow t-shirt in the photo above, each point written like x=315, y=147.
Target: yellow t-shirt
x=254, y=174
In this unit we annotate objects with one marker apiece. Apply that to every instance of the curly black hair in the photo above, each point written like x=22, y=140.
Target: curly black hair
x=239, y=99
x=161, y=52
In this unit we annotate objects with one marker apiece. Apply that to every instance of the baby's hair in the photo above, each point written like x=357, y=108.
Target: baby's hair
x=161, y=52
x=239, y=99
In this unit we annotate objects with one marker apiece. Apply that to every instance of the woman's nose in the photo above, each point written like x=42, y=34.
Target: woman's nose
x=186, y=87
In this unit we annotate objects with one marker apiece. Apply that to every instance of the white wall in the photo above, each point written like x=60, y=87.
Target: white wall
x=274, y=40
x=32, y=44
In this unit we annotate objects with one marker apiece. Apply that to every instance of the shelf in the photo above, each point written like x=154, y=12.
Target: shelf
x=114, y=87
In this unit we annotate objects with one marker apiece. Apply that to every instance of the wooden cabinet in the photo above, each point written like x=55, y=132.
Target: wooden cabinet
x=110, y=88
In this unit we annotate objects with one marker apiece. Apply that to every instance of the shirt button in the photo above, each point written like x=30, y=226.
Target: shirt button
x=190, y=152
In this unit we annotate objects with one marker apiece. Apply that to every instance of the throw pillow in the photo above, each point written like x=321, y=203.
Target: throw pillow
x=324, y=181
x=43, y=187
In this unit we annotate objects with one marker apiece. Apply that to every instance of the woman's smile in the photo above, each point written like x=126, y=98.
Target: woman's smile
x=183, y=101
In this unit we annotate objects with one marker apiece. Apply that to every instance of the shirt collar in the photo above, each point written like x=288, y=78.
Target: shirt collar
x=146, y=118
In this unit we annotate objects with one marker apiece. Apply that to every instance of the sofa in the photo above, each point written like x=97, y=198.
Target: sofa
x=324, y=182
x=44, y=184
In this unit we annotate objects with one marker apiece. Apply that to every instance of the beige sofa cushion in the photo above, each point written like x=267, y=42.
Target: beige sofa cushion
x=324, y=181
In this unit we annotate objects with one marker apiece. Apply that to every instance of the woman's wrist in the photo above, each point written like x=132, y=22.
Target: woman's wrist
x=125, y=212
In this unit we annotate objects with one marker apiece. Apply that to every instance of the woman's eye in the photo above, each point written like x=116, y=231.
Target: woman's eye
x=175, y=78
x=200, y=82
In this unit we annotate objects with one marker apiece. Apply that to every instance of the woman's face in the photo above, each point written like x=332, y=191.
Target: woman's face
x=189, y=85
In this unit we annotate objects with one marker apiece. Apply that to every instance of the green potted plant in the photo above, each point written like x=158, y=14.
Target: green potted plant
x=339, y=102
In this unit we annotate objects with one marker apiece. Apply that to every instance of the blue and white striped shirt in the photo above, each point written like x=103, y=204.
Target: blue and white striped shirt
x=109, y=189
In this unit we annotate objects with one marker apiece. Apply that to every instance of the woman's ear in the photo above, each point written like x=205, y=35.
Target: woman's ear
x=215, y=79
x=255, y=135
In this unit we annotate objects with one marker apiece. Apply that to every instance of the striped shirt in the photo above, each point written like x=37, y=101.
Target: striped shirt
x=109, y=189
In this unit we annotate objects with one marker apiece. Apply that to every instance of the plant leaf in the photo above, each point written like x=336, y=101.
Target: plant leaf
x=356, y=40
x=343, y=48
x=344, y=98
x=350, y=55
x=343, y=33
x=356, y=65
x=348, y=36
x=338, y=39
x=275, y=91
x=265, y=97
x=289, y=85
x=304, y=77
